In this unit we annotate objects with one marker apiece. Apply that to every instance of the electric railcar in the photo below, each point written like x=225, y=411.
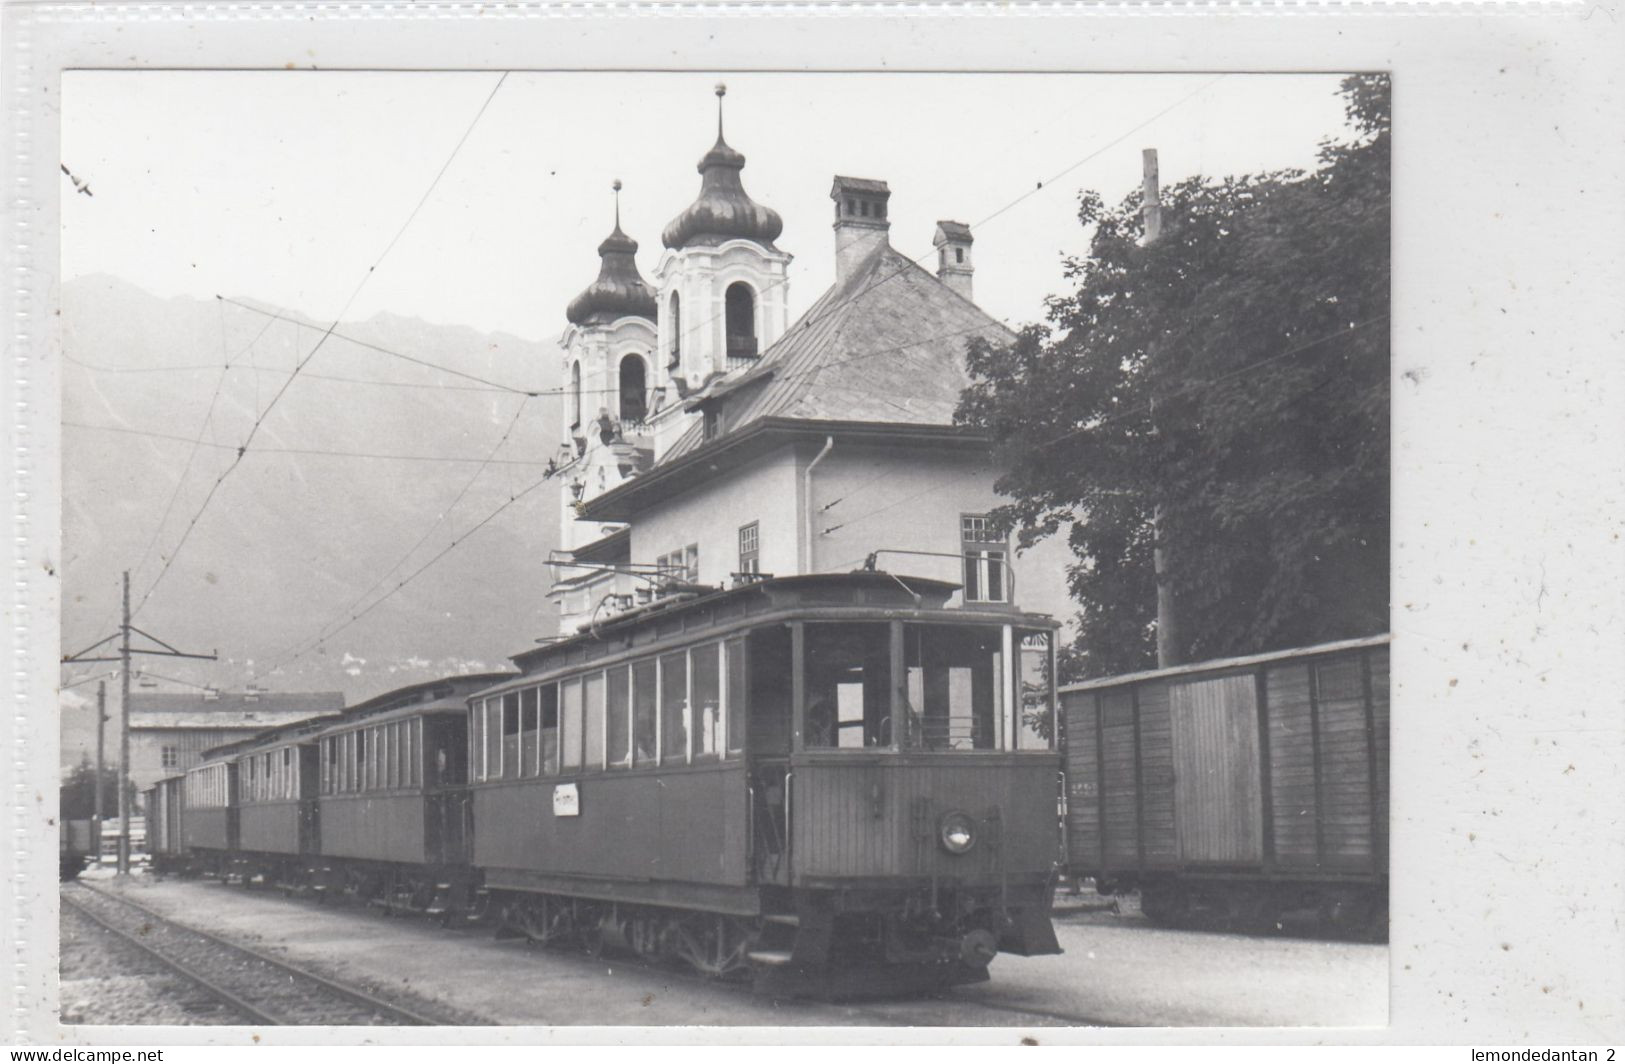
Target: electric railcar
x=796, y=779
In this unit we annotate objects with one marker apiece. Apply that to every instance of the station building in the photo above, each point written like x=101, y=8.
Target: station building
x=170, y=731
x=709, y=440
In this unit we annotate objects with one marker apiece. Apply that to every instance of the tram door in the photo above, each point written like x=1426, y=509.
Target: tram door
x=1218, y=803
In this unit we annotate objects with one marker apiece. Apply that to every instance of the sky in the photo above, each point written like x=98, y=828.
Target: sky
x=288, y=186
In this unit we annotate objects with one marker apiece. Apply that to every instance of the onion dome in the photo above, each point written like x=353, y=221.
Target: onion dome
x=620, y=290
x=723, y=210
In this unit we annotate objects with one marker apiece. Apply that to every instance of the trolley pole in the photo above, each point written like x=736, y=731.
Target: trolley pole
x=123, y=658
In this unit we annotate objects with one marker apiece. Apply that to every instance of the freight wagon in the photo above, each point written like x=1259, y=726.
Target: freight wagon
x=1236, y=791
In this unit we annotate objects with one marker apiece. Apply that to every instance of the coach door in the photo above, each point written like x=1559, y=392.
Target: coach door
x=1218, y=807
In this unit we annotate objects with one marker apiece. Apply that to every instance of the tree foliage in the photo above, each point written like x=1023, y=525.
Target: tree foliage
x=1234, y=372
x=78, y=792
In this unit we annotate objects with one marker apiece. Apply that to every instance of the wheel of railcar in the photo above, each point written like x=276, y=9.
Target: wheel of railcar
x=1346, y=911
x=1165, y=904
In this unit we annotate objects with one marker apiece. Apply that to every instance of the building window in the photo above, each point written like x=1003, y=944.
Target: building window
x=750, y=551
x=680, y=566
x=739, y=313
x=171, y=756
x=986, y=556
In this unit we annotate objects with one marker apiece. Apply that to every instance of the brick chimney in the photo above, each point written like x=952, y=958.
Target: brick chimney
x=860, y=221
x=954, y=267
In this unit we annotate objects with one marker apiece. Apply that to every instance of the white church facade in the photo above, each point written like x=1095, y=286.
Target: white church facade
x=709, y=440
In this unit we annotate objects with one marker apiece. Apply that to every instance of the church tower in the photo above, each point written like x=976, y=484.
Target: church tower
x=722, y=288
x=609, y=375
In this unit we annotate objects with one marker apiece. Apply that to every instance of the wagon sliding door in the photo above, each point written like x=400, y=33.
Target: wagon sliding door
x=1219, y=805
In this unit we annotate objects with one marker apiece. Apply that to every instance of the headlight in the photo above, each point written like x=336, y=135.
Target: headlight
x=957, y=832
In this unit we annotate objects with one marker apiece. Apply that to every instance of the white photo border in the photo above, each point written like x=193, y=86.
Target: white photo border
x=1508, y=833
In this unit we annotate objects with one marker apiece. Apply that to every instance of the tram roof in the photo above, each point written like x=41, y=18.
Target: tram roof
x=702, y=611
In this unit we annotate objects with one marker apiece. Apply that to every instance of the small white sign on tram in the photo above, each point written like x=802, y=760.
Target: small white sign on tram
x=566, y=800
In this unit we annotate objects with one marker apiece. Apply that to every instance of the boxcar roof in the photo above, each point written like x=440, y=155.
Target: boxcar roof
x=1219, y=664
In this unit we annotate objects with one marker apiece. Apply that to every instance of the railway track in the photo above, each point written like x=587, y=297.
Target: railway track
x=260, y=988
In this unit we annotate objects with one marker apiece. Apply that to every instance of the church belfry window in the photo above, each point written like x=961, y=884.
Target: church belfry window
x=739, y=311
x=575, y=394
x=676, y=331
x=634, y=390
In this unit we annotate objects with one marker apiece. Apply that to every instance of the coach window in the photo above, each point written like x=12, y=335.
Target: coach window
x=848, y=685
x=570, y=712
x=618, y=716
x=530, y=732
x=734, y=696
x=643, y=712
x=706, y=673
x=674, y=708
x=592, y=734
x=549, y=749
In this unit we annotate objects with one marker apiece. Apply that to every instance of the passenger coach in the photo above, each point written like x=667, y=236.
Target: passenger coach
x=798, y=773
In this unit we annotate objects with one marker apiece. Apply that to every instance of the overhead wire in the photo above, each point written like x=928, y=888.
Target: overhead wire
x=693, y=327
x=313, y=451
x=277, y=397
x=420, y=570
x=300, y=649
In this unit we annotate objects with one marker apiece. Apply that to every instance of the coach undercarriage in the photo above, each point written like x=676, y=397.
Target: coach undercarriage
x=824, y=941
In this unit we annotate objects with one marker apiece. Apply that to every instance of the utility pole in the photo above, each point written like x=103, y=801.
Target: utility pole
x=125, y=650
x=1167, y=622
x=124, y=737
x=101, y=761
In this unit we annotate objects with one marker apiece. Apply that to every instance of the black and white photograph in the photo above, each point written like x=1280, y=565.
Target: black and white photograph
x=648, y=527
x=919, y=569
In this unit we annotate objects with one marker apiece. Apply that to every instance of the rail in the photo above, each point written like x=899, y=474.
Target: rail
x=391, y=1012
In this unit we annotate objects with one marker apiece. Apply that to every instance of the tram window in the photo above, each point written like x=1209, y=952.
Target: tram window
x=674, y=708
x=592, y=732
x=848, y=684
x=493, y=738
x=550, y=729
x=955, y=698
x=735, y=695
x=570, y=725
x=510, y=735
x=643, y=712
x=530, y=731
x=619, y=713
x=476, y=741
x=1037, y=725
x=359, y=767
x=707, y=675
x=769, y=690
